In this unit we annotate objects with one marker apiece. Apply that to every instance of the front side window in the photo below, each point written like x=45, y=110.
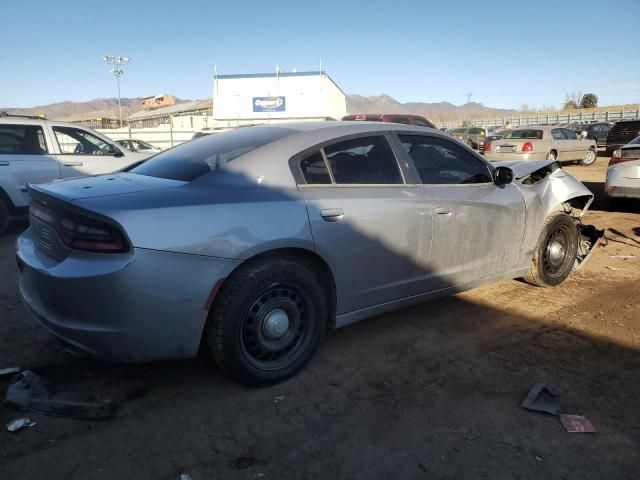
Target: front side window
x=556, y=133
x=366, y=160
x=569, y=135
x=443, y=162
x=73, y=141
x=22, y=140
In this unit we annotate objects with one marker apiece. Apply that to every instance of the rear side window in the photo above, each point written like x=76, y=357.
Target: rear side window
x=314, y=170
x=522, y=134
x=367, y=161
x=198, y=157
x=22, y=140
x=556, y=133
x=625, y=126
x=442, y=162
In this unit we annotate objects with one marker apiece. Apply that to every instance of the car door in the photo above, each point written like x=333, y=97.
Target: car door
x=576, y=146
x=373, y=229
x=84, y=153
x=559, y=144
x=25, y=158
x=478, y=226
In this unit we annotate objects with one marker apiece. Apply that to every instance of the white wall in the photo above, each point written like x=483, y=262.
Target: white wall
x=306, y=97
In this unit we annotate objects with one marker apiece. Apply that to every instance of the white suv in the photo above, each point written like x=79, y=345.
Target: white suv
x=34, y=150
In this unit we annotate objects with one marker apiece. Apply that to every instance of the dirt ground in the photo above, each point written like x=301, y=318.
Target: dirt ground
x=431, y=391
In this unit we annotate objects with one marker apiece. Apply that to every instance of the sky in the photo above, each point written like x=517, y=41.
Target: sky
x=505, y=53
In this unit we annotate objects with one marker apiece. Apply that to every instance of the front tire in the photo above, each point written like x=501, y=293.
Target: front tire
x=4, y=216
x=551, y=156
x=589, y=157
x=268, y=321
x=555, y=254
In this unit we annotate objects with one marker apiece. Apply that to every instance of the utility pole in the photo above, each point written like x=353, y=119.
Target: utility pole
x=117, y=71
x=468, y=95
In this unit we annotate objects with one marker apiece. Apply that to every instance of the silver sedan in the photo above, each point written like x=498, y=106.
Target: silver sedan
x=540, y=143
x=623, y=174
x=253, y=242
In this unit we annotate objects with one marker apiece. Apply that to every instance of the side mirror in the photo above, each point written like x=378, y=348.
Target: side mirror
x=502, y=176
x=583, y=134
x=113, y=150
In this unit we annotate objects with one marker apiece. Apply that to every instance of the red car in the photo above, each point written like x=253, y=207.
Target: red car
x=391, y=118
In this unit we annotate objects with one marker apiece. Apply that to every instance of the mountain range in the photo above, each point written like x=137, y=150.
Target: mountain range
x=108, y=107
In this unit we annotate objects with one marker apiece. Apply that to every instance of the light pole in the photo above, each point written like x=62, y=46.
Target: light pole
x=117, y=71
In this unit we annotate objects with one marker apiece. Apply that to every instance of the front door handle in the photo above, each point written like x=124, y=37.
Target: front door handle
x=443, y=211
x=332, y=214
x=4, y=163
x=73, y=164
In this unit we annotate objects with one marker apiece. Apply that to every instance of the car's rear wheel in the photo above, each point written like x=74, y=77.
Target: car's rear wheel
x=589, y=157
x=551, y=156
x=555, y=254
x=4, y=216
x=270, y=317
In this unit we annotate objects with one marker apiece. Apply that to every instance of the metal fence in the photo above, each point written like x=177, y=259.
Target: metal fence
x=158, y=137
x=549, y=118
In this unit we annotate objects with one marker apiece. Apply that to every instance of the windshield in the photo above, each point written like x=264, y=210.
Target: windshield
x=528, y=134
x=191, y=160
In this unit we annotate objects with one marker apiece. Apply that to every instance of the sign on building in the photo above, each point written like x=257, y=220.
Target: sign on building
x=268, y=104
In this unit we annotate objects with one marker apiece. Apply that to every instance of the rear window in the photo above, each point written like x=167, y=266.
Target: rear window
x=622, y=126
x=196, y=158
x=528, y=134
x=458, y=130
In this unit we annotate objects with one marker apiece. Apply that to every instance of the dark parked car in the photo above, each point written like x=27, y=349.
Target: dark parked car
x=622, y=133
x=392, y=118
x=595, y=131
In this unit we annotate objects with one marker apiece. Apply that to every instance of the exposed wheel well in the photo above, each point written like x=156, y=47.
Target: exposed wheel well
x=7, y=200
x=305, y=257
x=554, y=151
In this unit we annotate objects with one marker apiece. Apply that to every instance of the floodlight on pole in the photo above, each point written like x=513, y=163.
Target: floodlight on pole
x=117, y=71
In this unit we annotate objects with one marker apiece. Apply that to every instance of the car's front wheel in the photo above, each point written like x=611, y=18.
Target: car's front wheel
x=589, y=157
x=555, y=254
x=270, y=317
x=4, y=216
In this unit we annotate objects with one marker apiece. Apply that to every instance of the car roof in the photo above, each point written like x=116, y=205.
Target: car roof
x=17, y=120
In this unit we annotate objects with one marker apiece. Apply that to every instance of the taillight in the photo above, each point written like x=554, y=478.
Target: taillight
x=488, y=147
x=82, y=233
x=527, y=147
x=617, y=157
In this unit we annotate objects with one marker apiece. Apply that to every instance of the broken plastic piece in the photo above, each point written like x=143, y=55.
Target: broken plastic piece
x=28, y=391
x=543, y=398
x=18, y=424
x=576, y=423
x=10, y=371
x=590, y=238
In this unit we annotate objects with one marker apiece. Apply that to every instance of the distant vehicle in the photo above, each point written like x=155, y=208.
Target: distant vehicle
x=392, y=118
x=540, y=143
x=622, y=133
x=135, y=145
x=495, y=135
x=472, y=136
x=623, y=174
x=36, y=150
x=251, y=243
x=595, y=131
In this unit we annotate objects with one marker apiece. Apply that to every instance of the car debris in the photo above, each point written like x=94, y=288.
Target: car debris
x=18, y=424
x=543, y=398
x=29, y=391
x=623, y=257
x=9, y=371
x=590, y=238
x=576, y=423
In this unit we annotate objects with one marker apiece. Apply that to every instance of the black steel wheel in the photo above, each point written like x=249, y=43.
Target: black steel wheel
x=555, y=254
x=267, y=321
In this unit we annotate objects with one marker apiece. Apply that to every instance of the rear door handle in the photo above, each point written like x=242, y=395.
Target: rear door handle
x=443, y=211
x=73, y=164
x=4, y=163
x=332, y=214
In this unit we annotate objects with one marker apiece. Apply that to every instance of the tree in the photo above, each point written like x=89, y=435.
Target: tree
x=589, y=100
x=570, y=105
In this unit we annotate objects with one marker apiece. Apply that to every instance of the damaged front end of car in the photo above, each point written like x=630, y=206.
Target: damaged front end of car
x=546, y=188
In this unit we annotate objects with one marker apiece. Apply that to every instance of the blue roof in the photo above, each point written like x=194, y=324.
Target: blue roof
x=316, y=73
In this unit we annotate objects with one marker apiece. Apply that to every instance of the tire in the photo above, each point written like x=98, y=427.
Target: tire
x=4, y=216
x=256, y=304
x=590, y=157
x=551, y=156
x=617, y=204
x=555, y=254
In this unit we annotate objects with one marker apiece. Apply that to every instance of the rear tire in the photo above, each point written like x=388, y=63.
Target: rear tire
x=590, y=157
x=555, y=253
x=268, y=321
x=4, y=216
x=551, y=156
